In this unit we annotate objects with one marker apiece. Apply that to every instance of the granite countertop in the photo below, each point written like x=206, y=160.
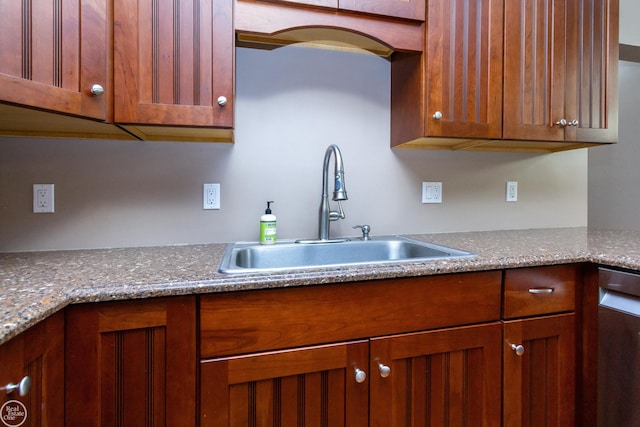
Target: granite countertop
x=34, y=285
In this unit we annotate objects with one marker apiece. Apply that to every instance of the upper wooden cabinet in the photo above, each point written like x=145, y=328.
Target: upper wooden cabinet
x=173, y=67
x=54, y=64
x=560, y=80
x=52, y=53
x=539, y=75
x=454, y=89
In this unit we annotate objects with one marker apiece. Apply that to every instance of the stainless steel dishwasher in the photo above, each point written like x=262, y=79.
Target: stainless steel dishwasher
x=619, y=349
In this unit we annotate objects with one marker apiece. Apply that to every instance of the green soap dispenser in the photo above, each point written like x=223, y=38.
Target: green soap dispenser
x=268, y=227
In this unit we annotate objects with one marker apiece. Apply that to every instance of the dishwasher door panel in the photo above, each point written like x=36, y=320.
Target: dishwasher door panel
x=618, y=360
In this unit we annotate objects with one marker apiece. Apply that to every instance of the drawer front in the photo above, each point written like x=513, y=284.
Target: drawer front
x=247, y=322
x=539, y=290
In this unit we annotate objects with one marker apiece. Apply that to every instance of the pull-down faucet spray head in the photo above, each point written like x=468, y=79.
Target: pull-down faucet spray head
x=339, y=192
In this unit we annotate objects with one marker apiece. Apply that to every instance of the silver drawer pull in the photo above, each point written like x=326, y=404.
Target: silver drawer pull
x=540, y=290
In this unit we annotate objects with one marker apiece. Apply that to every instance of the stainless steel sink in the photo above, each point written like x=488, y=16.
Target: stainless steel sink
x=286, y=255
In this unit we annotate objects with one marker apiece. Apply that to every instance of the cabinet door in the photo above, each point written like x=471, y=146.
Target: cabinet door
x=407, y=9
x=534, y=70
x=131, y=363
x=39, y=354
x=172, y=61
x=539, y=384
x=312, y=386
x=444, y=377
x=464, y=68
x=52, y=52
x=592, y=90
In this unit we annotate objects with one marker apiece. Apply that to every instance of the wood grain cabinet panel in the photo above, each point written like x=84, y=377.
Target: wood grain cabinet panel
x=313, y=386
x=539, y=353
x=406, y=9
x=539, y=290
x=52, y=52
x=539, y=384
x=172, y=62
x=39, y=354
x=315, y=340
x=445, y=377
x=464, y=68
x=560, y=79
x=593, y=66
x=249, y=322
x=131, y=363
x=454, y=89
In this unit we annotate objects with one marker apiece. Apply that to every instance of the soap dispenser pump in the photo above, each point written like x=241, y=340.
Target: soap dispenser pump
x=268, y=226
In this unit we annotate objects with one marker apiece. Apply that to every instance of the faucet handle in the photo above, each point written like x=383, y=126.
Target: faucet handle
x=365, y=231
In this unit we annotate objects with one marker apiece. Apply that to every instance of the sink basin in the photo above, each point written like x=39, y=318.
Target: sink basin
x=287, y=255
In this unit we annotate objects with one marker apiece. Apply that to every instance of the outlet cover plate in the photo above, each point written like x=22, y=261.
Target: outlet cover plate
x=43, y=198
x=211, y=196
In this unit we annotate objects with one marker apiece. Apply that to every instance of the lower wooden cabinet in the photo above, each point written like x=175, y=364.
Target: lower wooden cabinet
x=447, y=377
x=38, y=354
x=131, y=363
x=539, y=362
x=311, y=386
x=438, y=350
x=349, y=354
x=539, y=383
x=442, y=377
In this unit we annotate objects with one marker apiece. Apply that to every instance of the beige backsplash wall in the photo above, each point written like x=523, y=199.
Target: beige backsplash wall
x=291, y=104
x=614, y=193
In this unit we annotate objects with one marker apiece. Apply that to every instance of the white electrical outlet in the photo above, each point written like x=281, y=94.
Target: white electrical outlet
x=43, y=200
x=211, y=196
x=431, y=192
x=512, y=191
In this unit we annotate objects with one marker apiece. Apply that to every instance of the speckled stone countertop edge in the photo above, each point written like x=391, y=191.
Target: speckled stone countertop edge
x=34, y=286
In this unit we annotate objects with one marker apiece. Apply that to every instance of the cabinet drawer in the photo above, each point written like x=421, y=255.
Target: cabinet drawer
x=539, y=290
x=246, y=322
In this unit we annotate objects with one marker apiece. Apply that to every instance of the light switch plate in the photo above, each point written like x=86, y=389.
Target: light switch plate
x=432, y=192
x=512, y=191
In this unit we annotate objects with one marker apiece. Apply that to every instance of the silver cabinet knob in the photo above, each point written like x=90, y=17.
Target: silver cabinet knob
x=437, y=115
x=360, y=376
x=22, y=387
x=96, y=90
x=385, y=371
x=519, y=349
x=222, y=101
x=564, y=123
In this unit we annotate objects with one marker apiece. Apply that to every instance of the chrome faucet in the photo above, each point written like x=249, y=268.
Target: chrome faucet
x=339, y=192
